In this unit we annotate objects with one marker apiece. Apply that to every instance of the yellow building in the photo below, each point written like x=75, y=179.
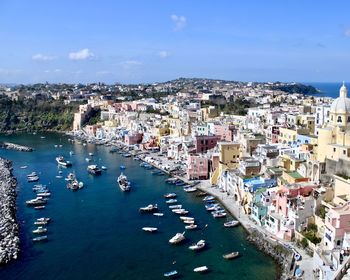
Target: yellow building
x=289, y=135
x=229, y=153
x=333, y=149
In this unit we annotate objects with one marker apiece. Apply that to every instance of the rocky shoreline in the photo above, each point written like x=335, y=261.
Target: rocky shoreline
x=15, y=147
x=282, y=256
x=9, y=233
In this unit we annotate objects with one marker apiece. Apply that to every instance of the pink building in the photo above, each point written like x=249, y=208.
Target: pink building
x=91, y=129
x=337, y=227
x=204, y=143
x=132, y=139
x=224, y=131
x=197, y=167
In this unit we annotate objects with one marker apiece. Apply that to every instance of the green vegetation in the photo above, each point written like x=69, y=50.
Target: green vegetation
x=237, y=107
x=95, y=117
x=322, y=211
x=343, y=175
x=33, y=115
x=311, y=234
x=295, y=88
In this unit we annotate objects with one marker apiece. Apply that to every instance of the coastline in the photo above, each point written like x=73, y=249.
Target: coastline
x=9, y=245
x=262, y=241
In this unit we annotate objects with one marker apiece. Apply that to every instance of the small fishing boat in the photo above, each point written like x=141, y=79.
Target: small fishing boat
x=170, y=273
x=197, y=246
x=44, y=219
x=176, y=206
x=150, y=229
x=123, y=183
x=33, y=179
x=201, y=269
x=149, y=208
x=40, y=230
x=81, y=185
x=94, y=170
x=177, y=238
x=190, y=189
x=170, y=195
x=36, y=201
x=158, y=214
x=59, y=176
x=193, y=226
x=71, y=153
x=24, y=167
x=40, y=238
x=231, y=223
x=230, y=256
x=219, y=215
x=184, y=218
x=188, y=222
x=122, y=167
x=88, y=159
x=61, y=161
x=103, y=167
x=208, y=198
x=170, y=201
x=39, y=207
x=91, y=154
x=180, y=211
x=40, y=223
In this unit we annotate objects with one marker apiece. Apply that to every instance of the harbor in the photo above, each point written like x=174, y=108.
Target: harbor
x=103, y=216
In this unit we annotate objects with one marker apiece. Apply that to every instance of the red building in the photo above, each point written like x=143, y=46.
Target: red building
x=204, y=143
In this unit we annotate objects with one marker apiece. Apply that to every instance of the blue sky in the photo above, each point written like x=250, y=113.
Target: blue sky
x=157, y=40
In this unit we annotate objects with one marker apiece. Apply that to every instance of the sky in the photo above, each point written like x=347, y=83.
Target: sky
x=142, y=41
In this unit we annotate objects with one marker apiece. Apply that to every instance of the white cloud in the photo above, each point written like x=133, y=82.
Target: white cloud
x=180, y=22
x=42, y=57
x=347, y=32
x=163, y=54
x=81, y=55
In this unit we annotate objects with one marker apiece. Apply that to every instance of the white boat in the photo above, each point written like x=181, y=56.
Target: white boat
x=201, y=269
x=71, y=153
x=94, y=169
x=158, y=214
x=231, y=256
x=150, y=229
x=39, y=207
x=177, y=206
x=170, y=195
x=219, y=215
x=190, y=189
x=198, y=246
x=44, y=194
x=184, y=218
x=91, y=154
x=40, y=230
x=170, y=201
x=188, y=222
x=180, y=211
x=44, y=219
x=231, y=223
x=40, y=223
x=61, y=161
x=59, y=176
x=103, y=167
x=208, y=198
x=81, y=185
x=88, y=159
x=177, y=238
x=149, y=208
x=193, y=226
x=123, y=183
x=24, y=167
x=40, y=238
x=170, y=273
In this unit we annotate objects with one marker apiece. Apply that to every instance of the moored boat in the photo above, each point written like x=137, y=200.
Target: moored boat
x=158, y=214
x=170, y=201
x=149, y=208
x=197, y=246
x=231, y=223
x=94, y=169
x=193, y=226
x=40, y=238
x=170, y=273
x=230, y=256
x=203, y=268
x=177, y=238
x=176, y=206
x=40, y=230
x=150, y=229
x=170, y=195
x=123, y=183
x=61, y=161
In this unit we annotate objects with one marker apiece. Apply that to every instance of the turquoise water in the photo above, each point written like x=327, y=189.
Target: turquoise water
x=96, y=232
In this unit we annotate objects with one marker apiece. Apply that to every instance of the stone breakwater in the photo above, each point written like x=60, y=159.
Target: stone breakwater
x=16, y=147
x=282, y=256
x=9, y=239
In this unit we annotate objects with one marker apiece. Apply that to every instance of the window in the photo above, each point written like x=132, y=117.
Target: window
x=344, y=152
x=339, y=120
x=334, y=149
x=348, y=118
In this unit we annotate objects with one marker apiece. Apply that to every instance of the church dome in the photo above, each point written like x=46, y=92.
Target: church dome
x=341, y=105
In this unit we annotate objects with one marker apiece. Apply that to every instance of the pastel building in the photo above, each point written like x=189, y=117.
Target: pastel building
x=197, y=167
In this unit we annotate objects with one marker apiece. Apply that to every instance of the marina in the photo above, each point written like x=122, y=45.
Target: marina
x=77, y=221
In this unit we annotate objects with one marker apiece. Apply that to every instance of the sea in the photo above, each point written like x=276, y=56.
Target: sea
x=96, y=233
x=326, y=89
